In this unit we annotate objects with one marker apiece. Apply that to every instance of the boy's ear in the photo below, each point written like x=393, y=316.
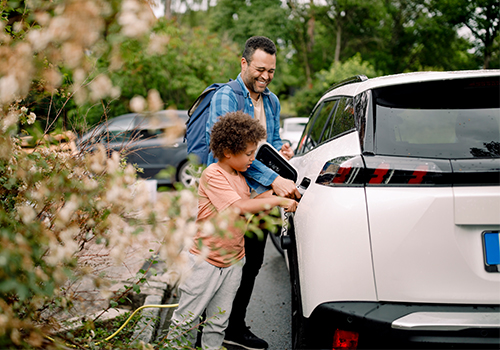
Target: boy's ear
x=227, y=154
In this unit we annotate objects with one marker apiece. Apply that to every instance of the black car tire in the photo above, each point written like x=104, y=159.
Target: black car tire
x=276, y=238
x=298, y=326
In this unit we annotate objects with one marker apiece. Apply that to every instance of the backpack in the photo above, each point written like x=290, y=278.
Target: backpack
x=198, y=116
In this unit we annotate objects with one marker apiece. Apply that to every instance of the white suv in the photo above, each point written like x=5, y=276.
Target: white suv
x=395, y=243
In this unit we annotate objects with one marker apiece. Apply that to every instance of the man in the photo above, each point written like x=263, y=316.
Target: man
x=258, y=65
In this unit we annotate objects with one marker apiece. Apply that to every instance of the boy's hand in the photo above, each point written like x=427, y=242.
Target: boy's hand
x=290, y=205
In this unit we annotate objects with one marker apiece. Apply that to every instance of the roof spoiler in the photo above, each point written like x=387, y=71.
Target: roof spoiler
x=355, y=79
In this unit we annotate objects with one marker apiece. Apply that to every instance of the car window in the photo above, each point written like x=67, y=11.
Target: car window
x=451, y=133
x=315, y=128
x=343, y=120
x=447, y=120
x=118, y=136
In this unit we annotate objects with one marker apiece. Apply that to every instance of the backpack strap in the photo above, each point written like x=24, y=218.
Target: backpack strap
x=273, y=104
x=239, y=93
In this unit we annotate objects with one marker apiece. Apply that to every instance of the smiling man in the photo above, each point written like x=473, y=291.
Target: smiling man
x=258, y=66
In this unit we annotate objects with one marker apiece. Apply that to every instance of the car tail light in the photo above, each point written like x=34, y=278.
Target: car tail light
x=385, y=171
x=345, y=339
x=342, y=171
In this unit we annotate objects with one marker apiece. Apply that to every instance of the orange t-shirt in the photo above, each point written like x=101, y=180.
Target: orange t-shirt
x=217, y=191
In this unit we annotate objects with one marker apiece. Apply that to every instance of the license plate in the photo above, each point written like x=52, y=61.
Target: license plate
x=491, y=244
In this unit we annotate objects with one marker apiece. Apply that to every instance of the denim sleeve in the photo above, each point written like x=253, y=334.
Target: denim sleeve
x=261, y=172
x=222, y=102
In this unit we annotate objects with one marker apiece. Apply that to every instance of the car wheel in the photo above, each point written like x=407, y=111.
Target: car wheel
x=298, y=326
x=276, y=239
x=187, y=174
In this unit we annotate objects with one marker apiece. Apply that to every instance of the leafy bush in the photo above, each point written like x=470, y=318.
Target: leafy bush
x=57, y=204
x=306, y=98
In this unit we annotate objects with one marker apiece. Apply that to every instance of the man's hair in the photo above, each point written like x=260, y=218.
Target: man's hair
x=258, y=43
x=232, y=133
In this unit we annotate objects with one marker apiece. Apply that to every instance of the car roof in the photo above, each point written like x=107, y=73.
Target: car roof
x=353, y=89
x=296, y=120
x=157, y=120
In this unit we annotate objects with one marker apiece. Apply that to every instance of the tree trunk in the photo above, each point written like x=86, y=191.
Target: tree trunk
x=168, y=9
x=337, y=45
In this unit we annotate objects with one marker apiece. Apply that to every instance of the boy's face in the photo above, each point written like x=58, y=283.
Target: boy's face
x=242, y=161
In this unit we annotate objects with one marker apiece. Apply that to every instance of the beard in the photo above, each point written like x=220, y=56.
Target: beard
x=252, y=83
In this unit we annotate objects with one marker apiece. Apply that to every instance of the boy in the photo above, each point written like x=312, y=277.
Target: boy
x=213, y=281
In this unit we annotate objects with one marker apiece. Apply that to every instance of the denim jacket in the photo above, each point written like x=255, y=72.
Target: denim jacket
x=258, y=176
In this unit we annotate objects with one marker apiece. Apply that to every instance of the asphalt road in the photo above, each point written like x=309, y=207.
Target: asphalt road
x=269, y=313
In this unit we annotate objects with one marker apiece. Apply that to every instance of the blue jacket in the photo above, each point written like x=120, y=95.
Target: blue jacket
x=258, y=176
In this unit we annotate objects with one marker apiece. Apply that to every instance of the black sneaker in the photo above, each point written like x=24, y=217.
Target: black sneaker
x=245, y=339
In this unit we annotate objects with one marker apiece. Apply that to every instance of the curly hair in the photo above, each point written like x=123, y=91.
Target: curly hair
x=232, y=133
x=258, y=43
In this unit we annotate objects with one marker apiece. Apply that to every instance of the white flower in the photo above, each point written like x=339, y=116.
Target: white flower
x=68, y=209
x=137, y=104
x=31, y=118
x=154, y=100
x=100, y=87
x=9, y=89
x=10, y=119
x=27, y=213
x=135, y=18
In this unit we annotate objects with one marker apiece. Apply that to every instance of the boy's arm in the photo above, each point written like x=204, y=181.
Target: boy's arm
x=256, y=205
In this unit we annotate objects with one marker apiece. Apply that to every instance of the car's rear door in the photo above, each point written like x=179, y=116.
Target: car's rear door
x=434, y=192
x=331, y=224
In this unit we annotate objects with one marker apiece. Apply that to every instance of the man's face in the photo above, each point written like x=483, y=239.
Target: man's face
x=259, y=73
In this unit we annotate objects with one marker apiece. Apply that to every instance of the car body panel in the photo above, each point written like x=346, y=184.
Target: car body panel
x=413, y=233
x=477, y=205
x=375, y=244
x=341, y=251
x=326, y=245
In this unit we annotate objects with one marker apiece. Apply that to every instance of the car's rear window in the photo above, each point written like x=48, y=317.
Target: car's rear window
x=446, y=119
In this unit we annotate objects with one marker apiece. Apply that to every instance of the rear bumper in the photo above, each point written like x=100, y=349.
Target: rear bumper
x=398, y=325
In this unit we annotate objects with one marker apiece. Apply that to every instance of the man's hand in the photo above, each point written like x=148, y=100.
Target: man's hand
x=286, y=151
x=285, y=188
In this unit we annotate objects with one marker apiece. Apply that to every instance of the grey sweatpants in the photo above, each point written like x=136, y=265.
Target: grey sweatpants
x=207, y=287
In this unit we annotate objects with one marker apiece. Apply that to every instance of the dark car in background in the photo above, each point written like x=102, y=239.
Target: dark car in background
x=152, y=142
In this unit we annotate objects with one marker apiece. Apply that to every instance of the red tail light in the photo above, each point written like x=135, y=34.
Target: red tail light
x=345, y=339
x=379, y=173
x=385, y=171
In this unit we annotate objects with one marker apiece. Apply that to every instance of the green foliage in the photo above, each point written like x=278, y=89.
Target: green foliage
x=92, y=334
x=480, y=17
x=242, y=19
x=305, y=99
x=179, y=62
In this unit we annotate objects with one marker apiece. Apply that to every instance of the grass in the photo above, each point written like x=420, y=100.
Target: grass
x=91, y=335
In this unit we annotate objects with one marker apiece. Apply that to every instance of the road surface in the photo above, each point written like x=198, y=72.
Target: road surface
x=269, y=315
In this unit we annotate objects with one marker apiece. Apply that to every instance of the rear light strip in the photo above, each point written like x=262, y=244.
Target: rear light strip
x=397, y=171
